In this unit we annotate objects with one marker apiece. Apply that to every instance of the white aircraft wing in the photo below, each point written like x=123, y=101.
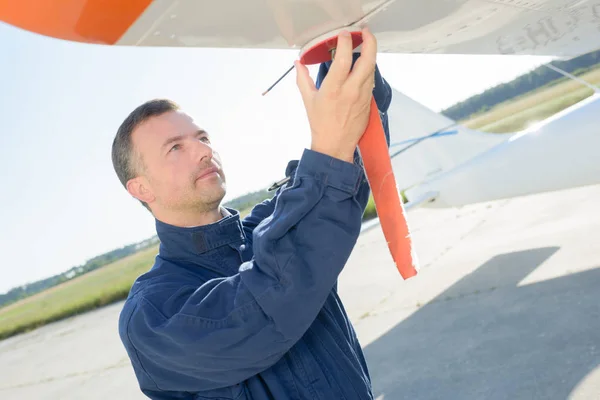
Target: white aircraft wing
x=563, y=28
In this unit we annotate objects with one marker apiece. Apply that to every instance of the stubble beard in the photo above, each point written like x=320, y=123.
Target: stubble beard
x=209, y=198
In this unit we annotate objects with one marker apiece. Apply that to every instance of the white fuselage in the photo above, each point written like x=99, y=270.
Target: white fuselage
x=559, y=153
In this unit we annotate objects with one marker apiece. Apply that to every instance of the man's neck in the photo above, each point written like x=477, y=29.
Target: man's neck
x=195, y=219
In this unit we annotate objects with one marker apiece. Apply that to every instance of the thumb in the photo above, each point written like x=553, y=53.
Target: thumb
x=304, y=81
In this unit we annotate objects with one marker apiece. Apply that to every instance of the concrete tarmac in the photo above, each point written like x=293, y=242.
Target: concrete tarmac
x=506, y=306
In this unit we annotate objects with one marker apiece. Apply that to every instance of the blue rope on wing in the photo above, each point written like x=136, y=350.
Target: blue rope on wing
x=415, y=141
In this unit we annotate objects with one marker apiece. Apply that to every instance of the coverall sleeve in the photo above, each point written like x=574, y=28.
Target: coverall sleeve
x=232, y=328
x=382, y=93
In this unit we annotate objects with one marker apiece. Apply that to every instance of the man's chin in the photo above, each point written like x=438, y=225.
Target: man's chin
x=213, y=187
x=215, y=195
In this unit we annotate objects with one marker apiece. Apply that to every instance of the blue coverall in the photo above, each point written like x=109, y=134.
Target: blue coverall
x=248, y=309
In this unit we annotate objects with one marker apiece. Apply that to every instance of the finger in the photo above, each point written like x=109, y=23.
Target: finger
x=364, y=68
x=342, y=62
x=305, y=83
x=368, y=85
x=366, y=88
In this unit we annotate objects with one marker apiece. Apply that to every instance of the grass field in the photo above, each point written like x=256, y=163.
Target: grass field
x=535, y=106
x=95, y=289
x=112, y=282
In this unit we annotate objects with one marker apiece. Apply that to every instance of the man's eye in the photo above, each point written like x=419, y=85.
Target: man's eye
x=175, y=147
x=205, y=139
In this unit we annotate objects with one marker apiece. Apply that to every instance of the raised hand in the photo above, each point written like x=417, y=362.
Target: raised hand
x=338, y=112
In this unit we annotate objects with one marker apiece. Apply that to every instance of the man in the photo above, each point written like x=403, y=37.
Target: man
x=248, y=309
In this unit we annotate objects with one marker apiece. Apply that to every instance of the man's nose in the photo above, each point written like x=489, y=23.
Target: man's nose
x=203, y=151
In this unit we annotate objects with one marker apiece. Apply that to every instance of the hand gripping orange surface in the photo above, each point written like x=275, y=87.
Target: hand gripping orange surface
x=378, y=168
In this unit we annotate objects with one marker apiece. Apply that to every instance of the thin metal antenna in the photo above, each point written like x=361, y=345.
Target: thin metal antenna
x=278, y=80
x=575, y=78
x=331, y=51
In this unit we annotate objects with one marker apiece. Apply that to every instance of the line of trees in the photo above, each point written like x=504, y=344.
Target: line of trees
x=535, y=79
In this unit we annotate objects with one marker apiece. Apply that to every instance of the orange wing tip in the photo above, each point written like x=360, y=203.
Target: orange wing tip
x=88, y=21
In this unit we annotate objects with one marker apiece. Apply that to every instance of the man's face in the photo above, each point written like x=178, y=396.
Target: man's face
x=180, y=171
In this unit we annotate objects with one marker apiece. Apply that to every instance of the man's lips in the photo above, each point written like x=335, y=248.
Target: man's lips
x=207, y=172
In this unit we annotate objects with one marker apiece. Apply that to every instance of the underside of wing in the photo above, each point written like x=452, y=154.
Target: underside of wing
x=563, y=28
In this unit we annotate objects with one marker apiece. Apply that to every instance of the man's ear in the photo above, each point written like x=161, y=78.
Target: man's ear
x=138, y=187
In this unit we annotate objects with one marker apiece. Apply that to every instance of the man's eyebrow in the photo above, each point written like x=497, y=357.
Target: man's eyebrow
x=179, y=137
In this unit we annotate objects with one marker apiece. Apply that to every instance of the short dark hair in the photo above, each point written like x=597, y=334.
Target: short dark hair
x=126, y=161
